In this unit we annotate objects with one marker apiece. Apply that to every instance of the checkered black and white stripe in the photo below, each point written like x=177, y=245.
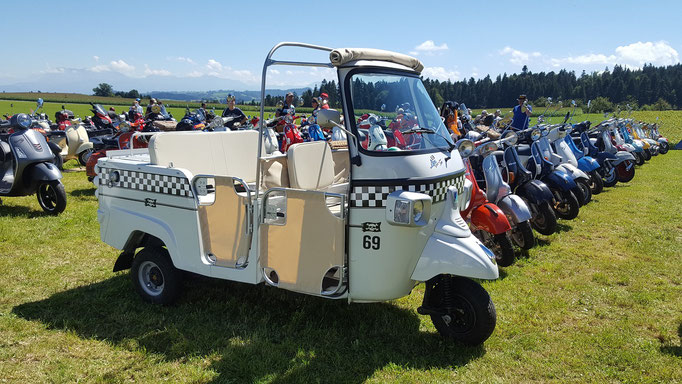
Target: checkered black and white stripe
x=375, y=196
x=148, y=182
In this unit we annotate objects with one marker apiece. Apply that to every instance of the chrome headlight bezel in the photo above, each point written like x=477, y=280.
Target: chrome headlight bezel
x=410, y=209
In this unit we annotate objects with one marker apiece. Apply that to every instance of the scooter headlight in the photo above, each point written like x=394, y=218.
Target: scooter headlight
x=465, y=147
x=535, y=134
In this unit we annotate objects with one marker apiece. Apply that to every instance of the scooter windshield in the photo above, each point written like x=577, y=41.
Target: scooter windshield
x=401, y=108
x=99, y=110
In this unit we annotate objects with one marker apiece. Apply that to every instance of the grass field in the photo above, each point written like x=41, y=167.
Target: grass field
x=599, y=301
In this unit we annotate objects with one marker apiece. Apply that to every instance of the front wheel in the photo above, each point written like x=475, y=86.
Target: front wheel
x=154, y=276
x=647, y=155
x=460, y=309
x=639, y=158
x=585, y=189
x=544, y=219
x=610, y=178
x=84, y=156
x=522, y=235
x=504, y=250
x=52, y=197
x=625, y=171
x=663, y=149
x=596, y=183
x=567, y=206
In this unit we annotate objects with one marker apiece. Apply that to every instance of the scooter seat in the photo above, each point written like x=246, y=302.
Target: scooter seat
x=523, y=149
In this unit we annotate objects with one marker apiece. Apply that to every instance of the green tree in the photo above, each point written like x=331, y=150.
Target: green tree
x=103, y=89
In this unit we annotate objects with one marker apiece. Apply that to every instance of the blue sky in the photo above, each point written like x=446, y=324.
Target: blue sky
x=221, y=44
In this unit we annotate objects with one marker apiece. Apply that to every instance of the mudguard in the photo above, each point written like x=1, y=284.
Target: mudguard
x=560, y=180
x=42, y=172
x=461, y=256
x=490, y=218
x=515, y=208
x=535, y=191
x=621, y=156
x=588, y=164
x=573, y=171
x=84, y=147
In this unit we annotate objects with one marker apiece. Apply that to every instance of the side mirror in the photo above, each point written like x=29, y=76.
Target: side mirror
x=383, y=107
x=589, y=102
x=40, y=102
x=573, y=103
x=328, y=118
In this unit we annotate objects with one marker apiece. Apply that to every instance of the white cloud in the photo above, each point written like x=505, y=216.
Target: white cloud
x=156, y=72
x=658, y=53
x=214, y=65
x=195, y=74
x=518, y=57
x=440, y=73
x=96, y=58
x=100, y=68
x=115, y=66
x=182, y=59
x=430, y=46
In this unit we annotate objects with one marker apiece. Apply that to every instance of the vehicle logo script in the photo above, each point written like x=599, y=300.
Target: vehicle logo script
x=435, y=163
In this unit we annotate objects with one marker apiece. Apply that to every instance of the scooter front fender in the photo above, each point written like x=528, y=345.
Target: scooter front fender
x=560, y=180
x=490, y=218
x=43, y=172
x=621, y=156
x=84, y=147
x=460, y=256
x=588, y=164
x=515, y=208
x=573, y=171
x=536, y=192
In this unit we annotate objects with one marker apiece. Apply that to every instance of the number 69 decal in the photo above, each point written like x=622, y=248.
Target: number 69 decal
x=371, y=242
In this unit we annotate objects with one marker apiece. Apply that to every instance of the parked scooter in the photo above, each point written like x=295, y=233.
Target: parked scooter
x=618, y=165
x=654, y=134
x=73, y=141
x=26, y=166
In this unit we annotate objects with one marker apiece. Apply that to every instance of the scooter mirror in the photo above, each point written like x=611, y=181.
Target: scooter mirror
x=383, y=107
x=40, y=102
x=328, y=118
x=589, y=102
x=573, y=103
x=465, y=147
x=545, y=132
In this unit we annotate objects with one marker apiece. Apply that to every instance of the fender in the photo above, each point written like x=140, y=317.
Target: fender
x=588, y=164
x=461, y=256
x=43, y=172
x=621, y=156
x=84, y=147
x=573, y=171
x=490, y=218
x=560, y=180
x=535, y=191
x=516, y=209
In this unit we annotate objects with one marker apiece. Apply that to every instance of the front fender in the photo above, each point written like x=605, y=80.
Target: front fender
x=460, y=256
x=588, y=164
x=560, y=180
x=515, y=208
x=621, y=156
x=573, y=171
x=42, y=172
x=84, y=147
x=535, y=191
x=490, y=218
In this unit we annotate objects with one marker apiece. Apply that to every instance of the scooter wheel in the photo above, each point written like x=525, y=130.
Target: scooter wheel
x=639, y=158
x=522, y=235
x=663, y=149
x=544, y=220
x=504, y=252
x=596, y=183
x=84, y=156
x=52, y=197
x=625, y=171
x=154, y=276
x=461, y=310
x=585, y=189
x=611, y=178
x=567, y=206
x=579, y=194
x=647, y=155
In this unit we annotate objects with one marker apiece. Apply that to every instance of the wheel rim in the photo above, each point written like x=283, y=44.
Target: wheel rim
x=561, y=205
x=461, y=317
x=85, y=155
x=539, y=220
x=611, y=175
x=151, y=278
x=47, y=197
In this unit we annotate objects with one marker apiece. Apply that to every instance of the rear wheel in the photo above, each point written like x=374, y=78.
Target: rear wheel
x=625, y=171
x=154, y=276
x=584, y=186
x=567, y=206
x=610, y=178
x=544, y=219
x=52, y=197
x=596, y=183
x=460, y=309
x=522, y=235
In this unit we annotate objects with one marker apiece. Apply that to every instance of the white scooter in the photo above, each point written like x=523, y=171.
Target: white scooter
x=74, y=142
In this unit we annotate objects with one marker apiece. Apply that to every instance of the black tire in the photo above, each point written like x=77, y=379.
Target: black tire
x=625, y=175
x=610, y=178
x=545, y=219
x=585, y=188
x=84, y=156
x=578, y=193
x=596, y=183
x=567, y=206
x=154, y=276
x=663, y=148
x=522, y=235
x=469, y=314
x=52, y=197
x=639, y=158
x=647, y=155
x=504, y=254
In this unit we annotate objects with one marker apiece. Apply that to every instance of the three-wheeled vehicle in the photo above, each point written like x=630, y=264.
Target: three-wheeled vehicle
x=362, y=224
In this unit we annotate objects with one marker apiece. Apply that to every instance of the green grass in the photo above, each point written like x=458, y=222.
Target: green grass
x=600, y=301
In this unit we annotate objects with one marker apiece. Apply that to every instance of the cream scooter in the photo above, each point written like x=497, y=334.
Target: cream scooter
x=74, y=142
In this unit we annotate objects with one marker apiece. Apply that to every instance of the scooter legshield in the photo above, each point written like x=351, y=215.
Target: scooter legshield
x=490, y=218
x=38, y=172
x=535, y=191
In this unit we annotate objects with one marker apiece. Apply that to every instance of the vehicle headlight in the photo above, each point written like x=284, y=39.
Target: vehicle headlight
x=408, y=208
x=535, y=134
x=23, y=120
x=465, y=147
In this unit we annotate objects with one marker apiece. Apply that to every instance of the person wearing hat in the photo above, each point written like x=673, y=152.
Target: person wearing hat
x=479, y=118
x=234, y=112
x=316, y=105
x=325, y=100
x=522, y=114
x=288, y=103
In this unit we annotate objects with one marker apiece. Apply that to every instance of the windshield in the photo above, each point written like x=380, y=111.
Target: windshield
x=395, y=113
x=98, y=109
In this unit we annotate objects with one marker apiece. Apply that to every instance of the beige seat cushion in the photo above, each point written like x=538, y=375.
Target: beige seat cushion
x=311, y=165
x=231, y=153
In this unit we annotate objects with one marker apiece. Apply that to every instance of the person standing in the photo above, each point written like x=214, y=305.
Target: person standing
x=325, y=100
x=234, y=112
x=522, y=113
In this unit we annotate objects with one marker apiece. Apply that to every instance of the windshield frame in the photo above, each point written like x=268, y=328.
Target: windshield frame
x=349, y=107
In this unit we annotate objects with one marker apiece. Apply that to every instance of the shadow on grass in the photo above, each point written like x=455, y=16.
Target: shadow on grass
x=255, y=331
x=83, y=192
x=562, y=226
x=20, y=210
x=674, y=350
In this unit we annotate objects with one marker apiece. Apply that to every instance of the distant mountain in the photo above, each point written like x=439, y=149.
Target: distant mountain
x=241, y=96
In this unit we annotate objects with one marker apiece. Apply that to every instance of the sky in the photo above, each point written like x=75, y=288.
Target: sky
x=208, y=45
